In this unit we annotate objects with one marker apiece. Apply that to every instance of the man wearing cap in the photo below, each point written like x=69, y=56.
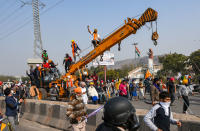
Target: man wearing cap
x=93, y=93
x=76, y=110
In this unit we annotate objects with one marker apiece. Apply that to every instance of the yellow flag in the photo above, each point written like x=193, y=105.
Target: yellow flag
x=3, y=126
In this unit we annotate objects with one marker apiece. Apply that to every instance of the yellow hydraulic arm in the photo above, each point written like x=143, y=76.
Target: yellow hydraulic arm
x=130, y=27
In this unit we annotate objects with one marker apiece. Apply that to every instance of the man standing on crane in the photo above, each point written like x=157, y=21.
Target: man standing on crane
x=67, y=61
x=96, y=38
x=75, y=49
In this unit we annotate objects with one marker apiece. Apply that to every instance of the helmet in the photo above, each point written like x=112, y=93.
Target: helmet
x=72, y=40
x=185, y=81
x=1, y=83
x=118, y=111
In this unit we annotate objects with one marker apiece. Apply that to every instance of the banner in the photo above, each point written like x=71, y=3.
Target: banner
x=106, y=59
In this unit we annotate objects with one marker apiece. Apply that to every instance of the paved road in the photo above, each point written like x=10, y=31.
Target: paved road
x=26, y=125
x=177, y=105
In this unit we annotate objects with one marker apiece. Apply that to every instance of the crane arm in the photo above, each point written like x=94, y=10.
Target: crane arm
x=130, y=27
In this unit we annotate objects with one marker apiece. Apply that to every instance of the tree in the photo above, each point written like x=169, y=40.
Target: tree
x=194, y=61
x=173, y=63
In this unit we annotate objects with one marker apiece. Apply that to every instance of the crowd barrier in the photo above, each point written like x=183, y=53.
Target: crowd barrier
x=52, y=114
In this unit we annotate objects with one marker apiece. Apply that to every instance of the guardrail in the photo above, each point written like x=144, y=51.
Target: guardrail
x=52, y=113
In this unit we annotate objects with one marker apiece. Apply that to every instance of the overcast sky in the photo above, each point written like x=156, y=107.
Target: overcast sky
x=178, y=28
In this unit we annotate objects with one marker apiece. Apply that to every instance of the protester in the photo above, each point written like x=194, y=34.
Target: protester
x=75, y=50
x=133, y=90
x=172, y=89
x=184, y=92
x=119, y=115
x=84, y=93
x=54, y=92
x=34, y=92
x=11, y=107
x=123, y=89
x=141, y=88
x=155, y=90
x=67, y=61
x=93, y=93
x=96, y=38
x=76, y=110
x=44, y=56
x=37, y=76
x=160, y=116
x=147, y=85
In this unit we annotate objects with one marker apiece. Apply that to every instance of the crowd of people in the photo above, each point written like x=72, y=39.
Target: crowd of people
x=94, y=91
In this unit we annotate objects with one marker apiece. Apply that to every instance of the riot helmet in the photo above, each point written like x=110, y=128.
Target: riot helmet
x=119, y=112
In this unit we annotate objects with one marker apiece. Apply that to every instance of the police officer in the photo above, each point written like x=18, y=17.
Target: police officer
x=119, y=115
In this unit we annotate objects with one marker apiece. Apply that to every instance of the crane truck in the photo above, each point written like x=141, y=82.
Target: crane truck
x=130, y=27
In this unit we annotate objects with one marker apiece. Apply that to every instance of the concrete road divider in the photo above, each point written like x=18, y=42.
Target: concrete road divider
x=52, y=113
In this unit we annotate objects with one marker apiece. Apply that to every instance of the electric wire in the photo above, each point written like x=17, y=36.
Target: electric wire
x=6, y=8
x=23, y=25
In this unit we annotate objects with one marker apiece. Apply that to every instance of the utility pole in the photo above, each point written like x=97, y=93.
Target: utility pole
x=38, y=47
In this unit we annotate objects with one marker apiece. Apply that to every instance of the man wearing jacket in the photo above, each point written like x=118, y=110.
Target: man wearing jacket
x=160, y=116
x=11, y=107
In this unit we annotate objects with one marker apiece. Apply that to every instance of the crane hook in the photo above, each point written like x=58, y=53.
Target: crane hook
x=155, y=37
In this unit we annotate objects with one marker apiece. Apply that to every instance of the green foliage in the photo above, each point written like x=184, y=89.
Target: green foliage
x=111, y=74
x=6, y=78
x=194, y=61
x=172, y=64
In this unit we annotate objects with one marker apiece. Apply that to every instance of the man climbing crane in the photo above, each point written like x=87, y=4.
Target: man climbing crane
x=75, y=49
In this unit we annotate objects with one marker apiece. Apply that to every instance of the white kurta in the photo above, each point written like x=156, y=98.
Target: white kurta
x=84, y=96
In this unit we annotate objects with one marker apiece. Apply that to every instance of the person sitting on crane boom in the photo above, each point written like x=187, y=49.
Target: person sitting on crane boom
x=96, y=38
x=75, y=49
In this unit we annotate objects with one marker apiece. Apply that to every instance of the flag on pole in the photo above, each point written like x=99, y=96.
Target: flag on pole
x=137, y=51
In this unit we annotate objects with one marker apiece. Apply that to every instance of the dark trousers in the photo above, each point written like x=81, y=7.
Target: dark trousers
x=172, y=97
x=95, y=43
x=186, y=103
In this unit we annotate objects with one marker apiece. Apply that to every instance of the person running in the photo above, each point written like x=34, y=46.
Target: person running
x=184, y=92
x=160, y=116
x=67, y=61
x=96, y=38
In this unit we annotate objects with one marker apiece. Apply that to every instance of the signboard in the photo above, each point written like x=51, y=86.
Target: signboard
x=105, y=59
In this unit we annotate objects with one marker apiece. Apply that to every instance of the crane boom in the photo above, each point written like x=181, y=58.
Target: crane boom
x=130, y=27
